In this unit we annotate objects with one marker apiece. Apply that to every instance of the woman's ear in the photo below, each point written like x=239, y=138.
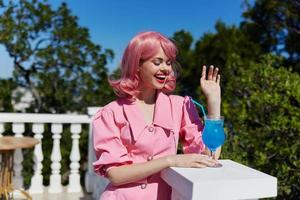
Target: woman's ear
x=141, y=62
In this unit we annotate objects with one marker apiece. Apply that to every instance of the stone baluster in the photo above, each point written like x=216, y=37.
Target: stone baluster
x=55, y=178
x=90, y=176
x=37, y=179
x=18, y=129
x=74, y=178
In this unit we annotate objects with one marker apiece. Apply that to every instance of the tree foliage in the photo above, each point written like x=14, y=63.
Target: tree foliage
x=184, y=42
x=211, y=48
x=6, y=85
x=262, y=108
x=275, y=25
x=261, y=101
x=54, y=56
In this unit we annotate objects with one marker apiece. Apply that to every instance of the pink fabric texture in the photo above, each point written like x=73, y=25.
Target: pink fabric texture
x=121, y=136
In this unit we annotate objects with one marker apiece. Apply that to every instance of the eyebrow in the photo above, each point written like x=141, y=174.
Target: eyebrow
x=160, y=59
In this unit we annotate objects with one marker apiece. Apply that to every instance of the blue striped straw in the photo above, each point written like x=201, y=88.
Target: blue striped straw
x=199, y=105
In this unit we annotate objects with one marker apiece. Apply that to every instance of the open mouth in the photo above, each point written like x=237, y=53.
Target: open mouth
x=161, y=78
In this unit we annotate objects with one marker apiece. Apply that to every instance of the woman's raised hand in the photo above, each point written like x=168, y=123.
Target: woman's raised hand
x=210, y=85
x=191, y=160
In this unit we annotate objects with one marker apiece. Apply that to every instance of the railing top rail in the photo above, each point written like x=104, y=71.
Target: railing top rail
x=44, y=118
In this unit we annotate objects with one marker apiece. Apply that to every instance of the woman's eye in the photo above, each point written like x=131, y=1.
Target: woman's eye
x=156, y=63
x=168, y=62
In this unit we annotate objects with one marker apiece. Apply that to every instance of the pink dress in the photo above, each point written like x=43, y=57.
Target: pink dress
x=121, y=136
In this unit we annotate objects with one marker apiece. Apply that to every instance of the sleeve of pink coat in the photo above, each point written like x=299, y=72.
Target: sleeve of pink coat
x=191, y=128
x=108, y=146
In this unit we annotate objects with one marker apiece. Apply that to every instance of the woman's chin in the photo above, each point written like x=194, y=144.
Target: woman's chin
x=160, y=86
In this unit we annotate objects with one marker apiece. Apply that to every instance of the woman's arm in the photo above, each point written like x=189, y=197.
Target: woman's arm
x=210, y=86
x=129, y=173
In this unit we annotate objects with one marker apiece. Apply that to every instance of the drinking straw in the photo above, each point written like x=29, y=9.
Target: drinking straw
x=199, y=105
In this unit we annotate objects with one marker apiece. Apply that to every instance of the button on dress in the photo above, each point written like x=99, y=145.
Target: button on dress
x=122, y=137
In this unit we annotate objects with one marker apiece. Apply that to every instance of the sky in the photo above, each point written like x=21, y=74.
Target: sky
x=112, y=23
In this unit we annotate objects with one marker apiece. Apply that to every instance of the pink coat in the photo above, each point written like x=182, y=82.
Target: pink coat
x=121, y=136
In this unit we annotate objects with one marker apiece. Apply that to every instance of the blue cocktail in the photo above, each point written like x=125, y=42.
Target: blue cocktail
x=213, y=133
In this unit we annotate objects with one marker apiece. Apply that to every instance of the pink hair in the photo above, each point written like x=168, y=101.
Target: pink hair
x=141, y=48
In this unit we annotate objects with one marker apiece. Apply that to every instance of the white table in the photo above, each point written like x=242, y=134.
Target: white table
x=231, y=181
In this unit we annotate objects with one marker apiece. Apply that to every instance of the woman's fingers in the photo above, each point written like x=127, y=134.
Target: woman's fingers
x=203, y=75
x=205, y=160
x=210, y=72
x=215, y=75
x=208, y=162
x=218, y=79
x=198, y=165
x=192, y=160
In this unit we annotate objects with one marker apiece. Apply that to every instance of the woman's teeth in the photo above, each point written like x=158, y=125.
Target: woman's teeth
x=160, y=77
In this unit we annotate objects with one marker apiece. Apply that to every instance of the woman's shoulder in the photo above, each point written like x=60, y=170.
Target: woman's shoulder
x=180, y=102
x=178, y=98
x=109, y=109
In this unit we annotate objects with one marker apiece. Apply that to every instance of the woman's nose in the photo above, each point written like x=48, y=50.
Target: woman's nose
x=164, y=68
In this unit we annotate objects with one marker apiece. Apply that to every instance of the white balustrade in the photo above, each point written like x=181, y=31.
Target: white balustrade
x=74, y=178
x=18, y=129
x=55, y=178
x=18, y=121
x=44, y=118
x=90, y=176
x=37, y=179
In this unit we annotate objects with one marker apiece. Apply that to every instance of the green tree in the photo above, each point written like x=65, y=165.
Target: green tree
x=261, y=101
x=262, y=109
x=275, y=25
x=54, y=57
x=6, y=88
x=211, y=48
x=184, y=42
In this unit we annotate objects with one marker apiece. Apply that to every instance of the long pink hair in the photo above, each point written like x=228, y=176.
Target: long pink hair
x=141, y=48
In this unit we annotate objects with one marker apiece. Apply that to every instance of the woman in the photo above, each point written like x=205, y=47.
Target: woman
x=136, y=136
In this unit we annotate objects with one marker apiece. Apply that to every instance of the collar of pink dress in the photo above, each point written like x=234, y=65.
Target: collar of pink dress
x=163, y=116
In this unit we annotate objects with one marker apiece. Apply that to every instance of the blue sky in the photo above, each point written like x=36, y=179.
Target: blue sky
x=112, y=23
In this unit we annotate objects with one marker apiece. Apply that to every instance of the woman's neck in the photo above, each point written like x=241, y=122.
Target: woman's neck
x=147, y=96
